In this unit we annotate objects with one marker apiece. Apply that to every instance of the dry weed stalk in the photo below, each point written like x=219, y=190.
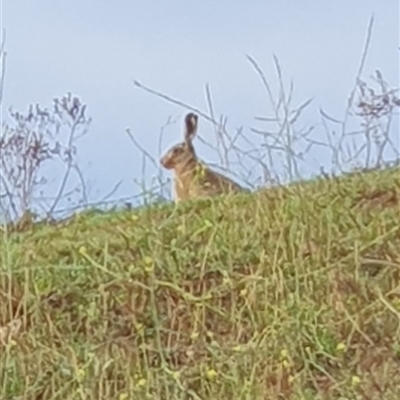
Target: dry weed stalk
x=368, y=143
x=32, y=142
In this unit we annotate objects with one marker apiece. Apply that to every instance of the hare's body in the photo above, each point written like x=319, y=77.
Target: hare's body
x=199, y=181
x=192, y=178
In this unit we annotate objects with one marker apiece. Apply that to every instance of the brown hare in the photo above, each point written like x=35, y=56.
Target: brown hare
x=192, y=178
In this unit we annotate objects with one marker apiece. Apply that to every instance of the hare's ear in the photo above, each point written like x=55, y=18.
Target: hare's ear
x=190, y=127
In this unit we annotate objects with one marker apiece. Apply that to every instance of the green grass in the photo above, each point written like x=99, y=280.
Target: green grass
x=288, y=293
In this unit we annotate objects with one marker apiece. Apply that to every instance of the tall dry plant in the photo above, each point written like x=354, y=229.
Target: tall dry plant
x=34, y=144
x=364, y=137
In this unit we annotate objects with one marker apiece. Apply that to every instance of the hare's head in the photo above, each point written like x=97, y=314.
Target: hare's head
x=183, y=153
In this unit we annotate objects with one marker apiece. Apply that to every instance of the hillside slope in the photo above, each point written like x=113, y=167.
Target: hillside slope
x=287, y=293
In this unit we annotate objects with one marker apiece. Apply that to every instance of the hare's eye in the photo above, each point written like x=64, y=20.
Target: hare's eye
x=178, y=150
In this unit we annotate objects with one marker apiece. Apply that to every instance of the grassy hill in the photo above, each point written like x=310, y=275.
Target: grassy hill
x=290, y=293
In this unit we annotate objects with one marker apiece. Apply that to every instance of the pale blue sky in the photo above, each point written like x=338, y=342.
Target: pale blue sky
x=95, y=49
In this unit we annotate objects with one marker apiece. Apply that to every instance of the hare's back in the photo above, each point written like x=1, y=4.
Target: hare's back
x=214, y=184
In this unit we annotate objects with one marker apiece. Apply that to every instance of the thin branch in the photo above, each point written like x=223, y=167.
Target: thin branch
x=172, y=100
